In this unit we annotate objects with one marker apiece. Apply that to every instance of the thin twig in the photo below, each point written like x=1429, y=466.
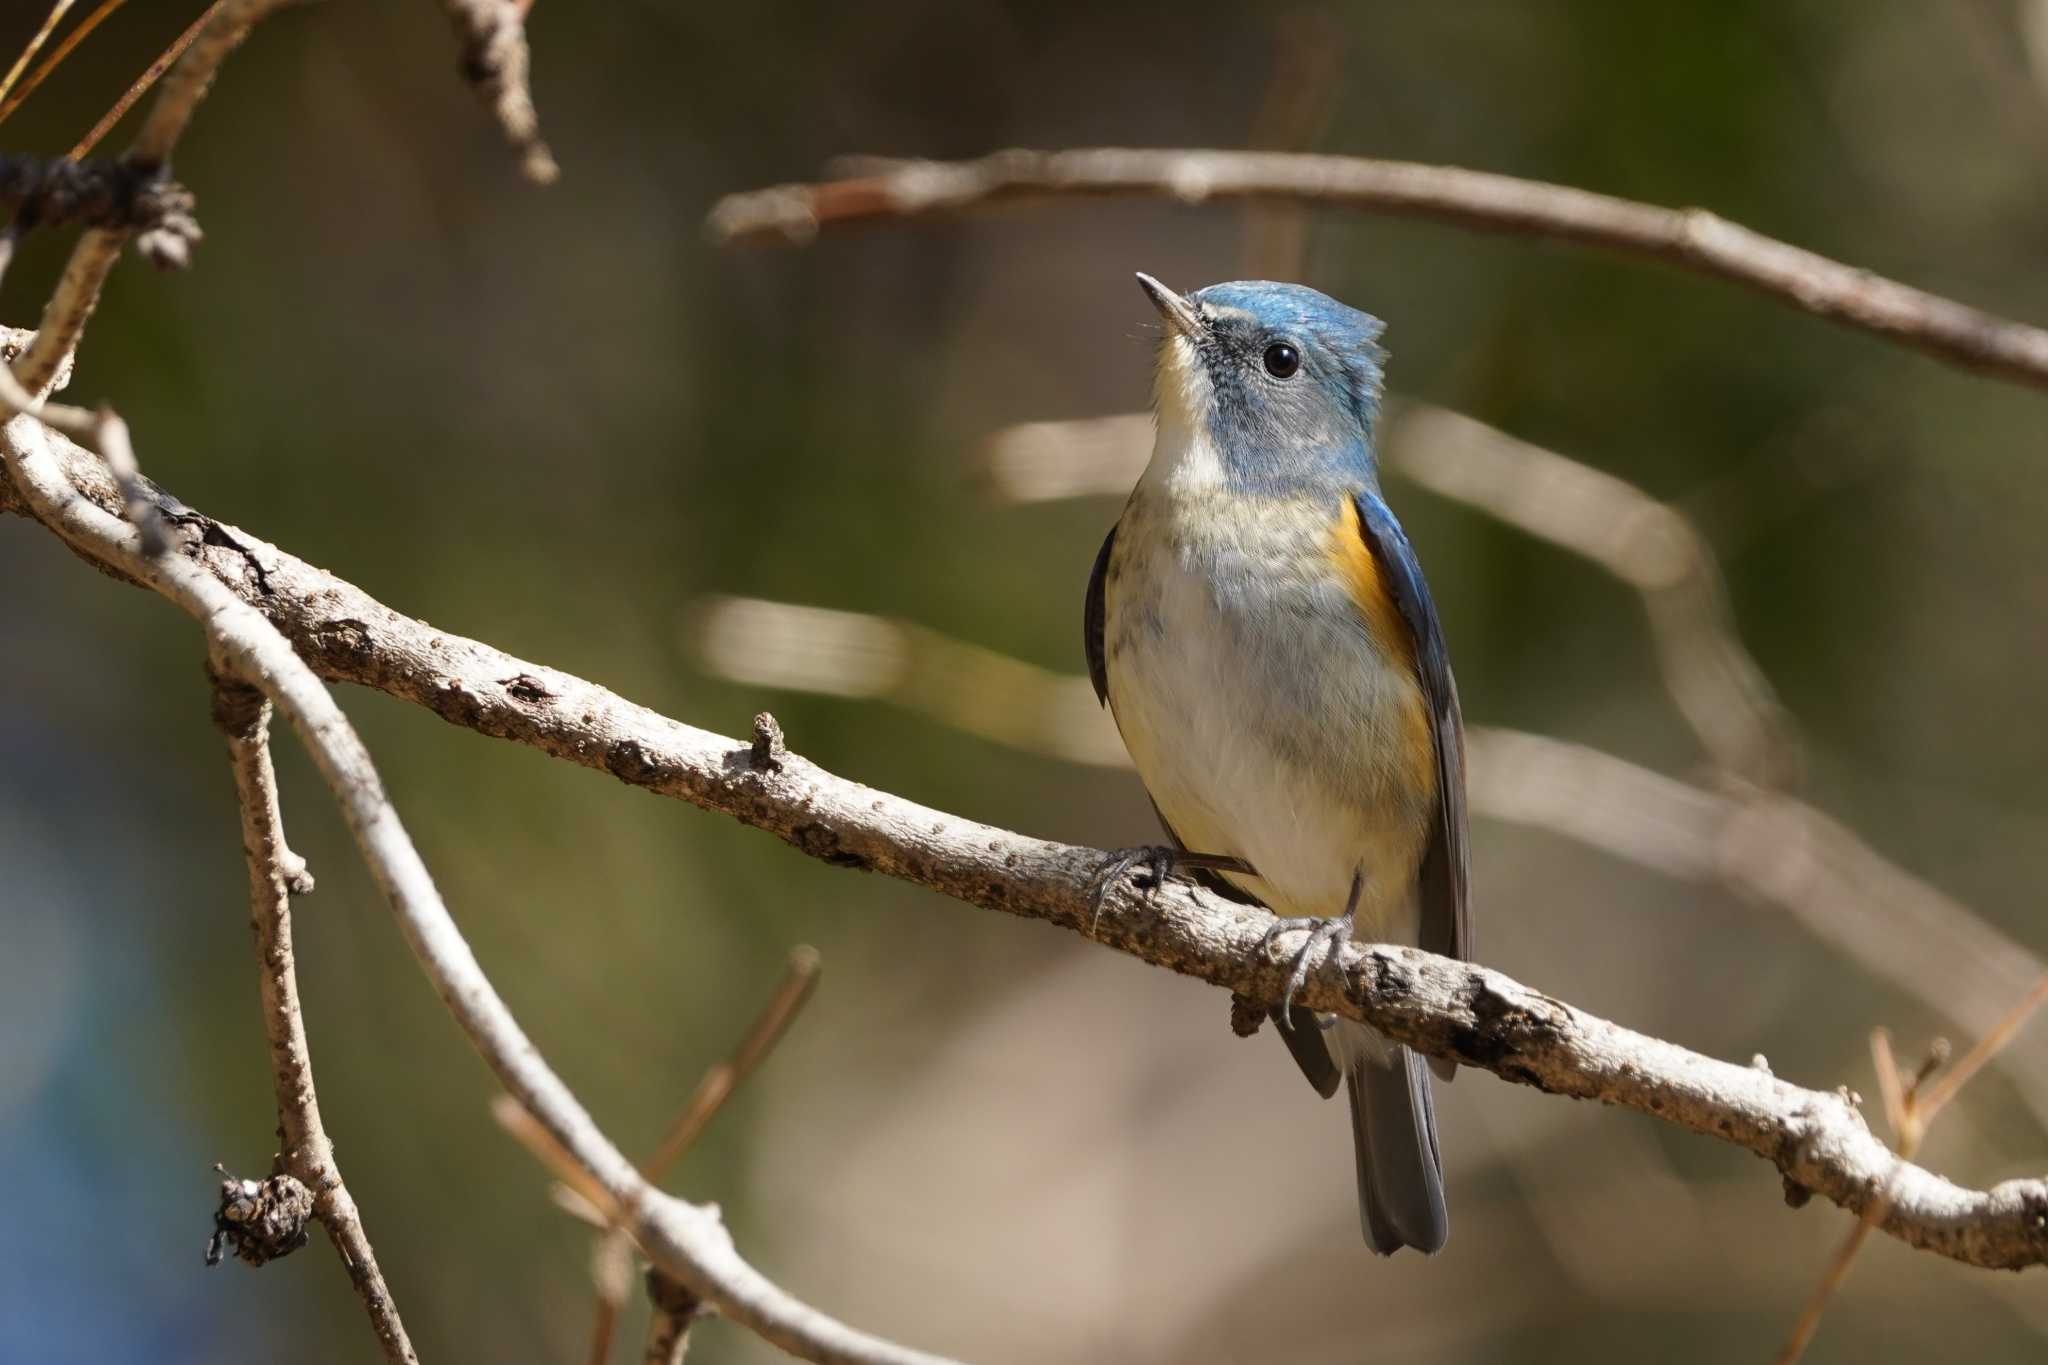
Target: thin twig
x=611, y=1270
x=1911, y=1106
x=56, y=58
x=1694, y=238
x=1899, y=1102
x=149, y=77
x=1446, y=1009
x=799, y=979
x=276, y=874
x=1987, y=1047
x=102, y=432
x=35, y=44
x=552, y=1153
x=719, y=1083
x=77, y=294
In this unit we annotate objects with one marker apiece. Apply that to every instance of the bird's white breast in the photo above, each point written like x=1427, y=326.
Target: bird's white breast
x=1256, y=707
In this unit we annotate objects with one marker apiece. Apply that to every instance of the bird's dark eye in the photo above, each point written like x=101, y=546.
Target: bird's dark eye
x=1282, y=360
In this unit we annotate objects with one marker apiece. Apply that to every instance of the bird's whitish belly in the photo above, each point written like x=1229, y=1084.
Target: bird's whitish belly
x=1263, y=718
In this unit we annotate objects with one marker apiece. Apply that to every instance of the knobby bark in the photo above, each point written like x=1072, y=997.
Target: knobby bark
x=1817, y=1140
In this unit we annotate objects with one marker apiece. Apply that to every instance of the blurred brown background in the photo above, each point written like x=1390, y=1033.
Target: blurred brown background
x=558, y=420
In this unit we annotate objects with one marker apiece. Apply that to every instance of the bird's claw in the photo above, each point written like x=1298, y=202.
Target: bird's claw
x=1330, y=934
x=1157, y=860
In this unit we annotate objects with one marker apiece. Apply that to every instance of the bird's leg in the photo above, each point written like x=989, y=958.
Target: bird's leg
x=1158, y=861
x=1331, y=934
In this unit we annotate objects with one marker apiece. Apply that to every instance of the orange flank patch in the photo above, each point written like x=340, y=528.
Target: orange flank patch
x=1352, y=556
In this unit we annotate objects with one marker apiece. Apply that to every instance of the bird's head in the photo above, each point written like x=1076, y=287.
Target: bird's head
x=1268, y=386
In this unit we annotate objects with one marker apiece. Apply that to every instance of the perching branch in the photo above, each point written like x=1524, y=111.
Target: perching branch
x=1477, y=1017
x=276, y=874
x=1695, y=238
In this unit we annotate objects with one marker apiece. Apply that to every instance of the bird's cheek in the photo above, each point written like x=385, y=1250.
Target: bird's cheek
x=1183, y=386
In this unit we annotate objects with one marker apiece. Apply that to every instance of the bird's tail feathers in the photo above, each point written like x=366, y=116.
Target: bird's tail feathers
x=1400, y=1173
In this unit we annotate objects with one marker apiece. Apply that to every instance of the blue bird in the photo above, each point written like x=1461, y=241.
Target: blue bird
x=1259, y=627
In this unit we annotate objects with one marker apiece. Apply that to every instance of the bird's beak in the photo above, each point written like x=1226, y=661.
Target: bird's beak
x=1178, y=312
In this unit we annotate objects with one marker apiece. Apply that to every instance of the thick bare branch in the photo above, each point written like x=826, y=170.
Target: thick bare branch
x=1480, y=1018
x=1692, y=237
x=275, y=875
x=688, y=1241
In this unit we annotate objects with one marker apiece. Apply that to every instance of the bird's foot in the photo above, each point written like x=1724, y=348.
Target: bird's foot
x=1329, y=935
x=1153, y=864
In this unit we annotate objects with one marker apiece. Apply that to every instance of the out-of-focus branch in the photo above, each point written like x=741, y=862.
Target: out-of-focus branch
x=11, y=95
x=275, y=875
x=1649, y=545
x=799, y=979
x=1308, y=59
x=1453, y=1010
x=496, y=61
x=977, y=690
x=35, y=45
x=1692, y=237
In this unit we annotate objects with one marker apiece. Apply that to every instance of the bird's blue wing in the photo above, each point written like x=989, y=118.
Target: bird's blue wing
x=1446, y=867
